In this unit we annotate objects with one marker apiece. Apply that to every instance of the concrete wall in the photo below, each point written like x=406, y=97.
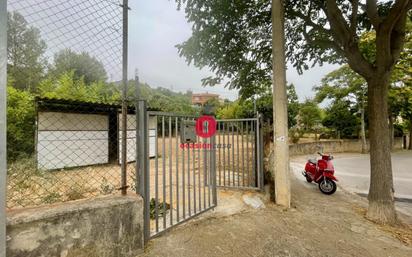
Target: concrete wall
x=102, y=227
x=336, y=146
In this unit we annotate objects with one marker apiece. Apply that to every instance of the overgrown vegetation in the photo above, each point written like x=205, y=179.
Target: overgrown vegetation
x=70, y=76
x=160, y=211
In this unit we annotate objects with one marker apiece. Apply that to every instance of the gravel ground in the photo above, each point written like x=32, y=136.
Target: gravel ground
x=316, y=225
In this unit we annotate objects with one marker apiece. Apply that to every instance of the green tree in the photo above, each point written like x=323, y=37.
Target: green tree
x=401, y=99
x=237, y=110
x=83, y=64
x=20, y=122
x=244, y=108
x=341, y=117
x=234, y=39
x=163, y=99
x=25, y=50
x=211, y=106
x=401, y=93
x=293, y=105
x=309, y=115
x=68, y=86
x=345, y=85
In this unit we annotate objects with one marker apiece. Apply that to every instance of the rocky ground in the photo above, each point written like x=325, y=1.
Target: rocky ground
x=316, y=225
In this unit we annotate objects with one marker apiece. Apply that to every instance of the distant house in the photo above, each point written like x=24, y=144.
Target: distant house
x=202, y=98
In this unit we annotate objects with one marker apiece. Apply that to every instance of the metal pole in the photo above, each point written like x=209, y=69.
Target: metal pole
x=138, y=160
x=124, y=98
x=213, y=168
x=144, y=178
x=3, y=126
x=280, y=117
x=262, y=151
x=258, y=153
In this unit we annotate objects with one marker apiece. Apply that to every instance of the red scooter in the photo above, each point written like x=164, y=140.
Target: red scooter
x=321, y=171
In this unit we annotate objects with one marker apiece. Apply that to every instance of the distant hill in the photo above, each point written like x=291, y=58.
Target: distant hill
x=165, y=100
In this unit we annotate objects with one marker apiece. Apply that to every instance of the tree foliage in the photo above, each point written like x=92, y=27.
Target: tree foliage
x=25, y=50
x=164, y=99
x=82, y=64
x=293, y=105
x=234, y=37
x=70, y=87
x=347, y=93
x=310, y=115
x=243, y=108
x=342, y=118
x=236, y=110
x=342, y=84
x=20, y=122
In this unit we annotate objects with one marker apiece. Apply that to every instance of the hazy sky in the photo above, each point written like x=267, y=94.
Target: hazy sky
x=156, y=27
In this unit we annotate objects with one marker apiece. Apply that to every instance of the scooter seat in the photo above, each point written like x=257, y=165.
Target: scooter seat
x=313, y=161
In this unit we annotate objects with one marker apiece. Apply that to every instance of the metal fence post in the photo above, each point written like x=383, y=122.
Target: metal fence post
x=261, y=151
x=213, y=169
x=143, y=175
x=124, y=97
x=3, y=126
x=258, y=153
x=137, y=115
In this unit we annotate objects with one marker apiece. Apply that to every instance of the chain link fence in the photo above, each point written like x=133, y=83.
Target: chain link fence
x=64, y=101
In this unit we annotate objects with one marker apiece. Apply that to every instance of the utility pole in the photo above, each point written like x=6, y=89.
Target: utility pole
x=280, y=112
x=3, y=126
x=124, y=97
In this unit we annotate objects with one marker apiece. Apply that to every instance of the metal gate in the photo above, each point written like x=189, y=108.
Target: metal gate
x=180, y=181
x=239, y=153
x=178, y=178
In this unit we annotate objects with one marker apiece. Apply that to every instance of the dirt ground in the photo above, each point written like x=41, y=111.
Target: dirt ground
x=28, y=187
x=316, y=225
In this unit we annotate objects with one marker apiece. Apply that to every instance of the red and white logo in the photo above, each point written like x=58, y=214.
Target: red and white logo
x=206, y=126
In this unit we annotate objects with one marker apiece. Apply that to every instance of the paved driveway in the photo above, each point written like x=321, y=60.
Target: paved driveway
x=353, y=172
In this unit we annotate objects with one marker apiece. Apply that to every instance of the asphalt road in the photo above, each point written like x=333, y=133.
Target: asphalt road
x=353, y=172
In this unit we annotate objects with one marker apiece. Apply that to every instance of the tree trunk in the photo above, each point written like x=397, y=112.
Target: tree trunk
x=381, y=192
x=363, y=132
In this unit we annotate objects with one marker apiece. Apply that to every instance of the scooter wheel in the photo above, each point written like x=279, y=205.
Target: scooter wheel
x=327, y=186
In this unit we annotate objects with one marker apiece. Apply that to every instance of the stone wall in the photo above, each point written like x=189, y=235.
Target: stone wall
x=102, y=227
x=335, y=146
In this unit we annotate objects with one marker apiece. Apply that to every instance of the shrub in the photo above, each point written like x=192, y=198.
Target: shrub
x=295, y=134
x=76, y=192
x=20, y=123
x=52, y=197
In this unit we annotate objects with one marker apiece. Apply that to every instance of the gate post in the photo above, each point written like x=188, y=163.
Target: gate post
x=213, y=169
x=142, y=165
x=261, y=151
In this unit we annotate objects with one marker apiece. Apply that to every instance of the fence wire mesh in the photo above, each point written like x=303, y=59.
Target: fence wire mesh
x=64, y=101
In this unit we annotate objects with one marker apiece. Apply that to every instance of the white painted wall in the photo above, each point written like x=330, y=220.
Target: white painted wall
x=66, y=140
x=131, y=137
x=70, y=140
